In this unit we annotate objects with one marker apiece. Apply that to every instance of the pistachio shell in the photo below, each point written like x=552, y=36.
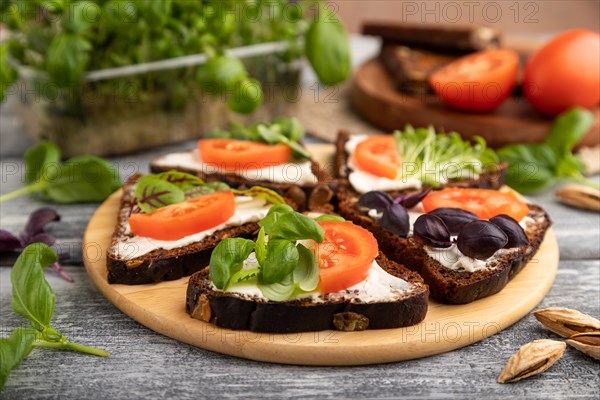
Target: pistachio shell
x=587, y=343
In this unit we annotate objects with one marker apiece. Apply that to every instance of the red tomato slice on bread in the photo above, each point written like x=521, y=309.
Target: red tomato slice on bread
x=482, y=202
x=232, y=154
x=345, y=255
x=477, y=82
x=378, y=155
x=183, y=219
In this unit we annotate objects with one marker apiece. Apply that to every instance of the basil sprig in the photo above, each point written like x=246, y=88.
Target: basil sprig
x=285, y=267
x=533, y=167
x=83, y=179
x=154, y=191
x=280, y=131
x=33, y=298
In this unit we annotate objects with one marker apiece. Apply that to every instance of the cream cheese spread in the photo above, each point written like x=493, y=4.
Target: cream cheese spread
x=247, y=209
x=378, y=286
x=297, y=173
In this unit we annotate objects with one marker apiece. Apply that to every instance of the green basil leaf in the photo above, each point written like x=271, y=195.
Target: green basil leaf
x=306, y=273
x=227, y=259
x=67, y=59
x=281, y=259
x=259, y=191
x=278, y=291
x=273, y=216
x=32, y=296
x=8, y=75
x=570, y=166
x=14, y=349
x=241, y=276
x=80, y=16
x=260, y=247
x=531, y=167
x=329, y=217
x=290, y=128
x=84, y=179
x=247, y=98
x=153, y=193
x=42, y=161
x=568, y=129
x=295, y=226
x=328, y=49
x=220, y=74
x=269, y=136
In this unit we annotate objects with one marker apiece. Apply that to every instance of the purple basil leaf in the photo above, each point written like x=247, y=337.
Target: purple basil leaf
x=9, y=242
x=481, y=239
x=38, y=220
x=430, y=230
x=375, y=200
x=61, y=272
x=454, y=218
x=515, y=232
x=42, y=238
x=395, y=219
x=411, y=200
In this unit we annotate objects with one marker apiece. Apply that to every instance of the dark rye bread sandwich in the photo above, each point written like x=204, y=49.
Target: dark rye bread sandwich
x=454, y=286
x=313, y=196
x=126, y=267
x=343, y=311
x=268, y=154
x=492, y=177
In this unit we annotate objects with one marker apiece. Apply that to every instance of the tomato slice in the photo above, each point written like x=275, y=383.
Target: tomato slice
x=478, y=82
x=232, y=154
x=345, y=255
x=482, y=202
x=179, y=220
x=378, y=155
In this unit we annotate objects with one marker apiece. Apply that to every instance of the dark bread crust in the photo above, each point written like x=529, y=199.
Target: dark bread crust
x=311, y=196
x=493, y=179
x=446, y=285
x=232, y=311
x=162, y=265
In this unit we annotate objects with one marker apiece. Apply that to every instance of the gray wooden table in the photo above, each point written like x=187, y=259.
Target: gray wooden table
x=144, y=364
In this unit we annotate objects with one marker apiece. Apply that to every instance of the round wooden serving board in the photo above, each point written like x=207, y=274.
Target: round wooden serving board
x=375, y=98
x=161, y=307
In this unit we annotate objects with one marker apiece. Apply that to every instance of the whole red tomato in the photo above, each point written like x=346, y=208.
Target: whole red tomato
x=564, y=73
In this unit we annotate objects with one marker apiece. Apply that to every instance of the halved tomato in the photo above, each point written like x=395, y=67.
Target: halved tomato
x=482, y=202
x=378, y=155
x=478, y=82
x=179, y=220
x=235, y=154
x=345, y=255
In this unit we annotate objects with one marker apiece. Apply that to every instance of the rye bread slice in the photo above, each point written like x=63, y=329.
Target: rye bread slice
x=160, y=264
x=310, y=196
x=447, y=285
x=240, y=312
x=492, y=179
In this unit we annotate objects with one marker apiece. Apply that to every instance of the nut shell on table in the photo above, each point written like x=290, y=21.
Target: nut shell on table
x=579, y=196
x=532, y=359
x=587, y=343
x=567, y=322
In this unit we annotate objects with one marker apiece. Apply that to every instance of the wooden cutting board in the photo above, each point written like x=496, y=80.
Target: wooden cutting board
x=161, y=307
x=375, y=98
